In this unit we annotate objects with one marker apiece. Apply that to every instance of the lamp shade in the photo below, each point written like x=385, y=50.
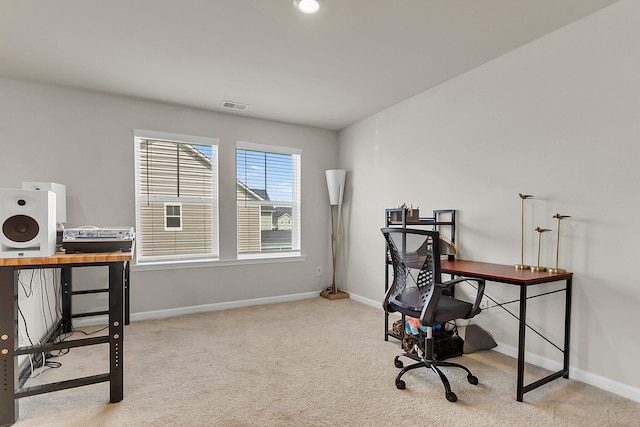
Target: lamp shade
x=335, y=179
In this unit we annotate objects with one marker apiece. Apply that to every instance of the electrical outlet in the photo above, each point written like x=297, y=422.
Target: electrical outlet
x=318, y=271
x=484, y=304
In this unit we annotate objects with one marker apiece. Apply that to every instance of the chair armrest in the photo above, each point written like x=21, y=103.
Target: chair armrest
x=450, y=283
x=479, y=292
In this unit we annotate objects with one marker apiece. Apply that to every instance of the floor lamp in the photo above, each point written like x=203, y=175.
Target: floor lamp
x=335, y=184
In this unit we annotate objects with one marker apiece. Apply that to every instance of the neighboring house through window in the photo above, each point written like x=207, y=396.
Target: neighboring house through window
x=268, y=198
x=176, y=196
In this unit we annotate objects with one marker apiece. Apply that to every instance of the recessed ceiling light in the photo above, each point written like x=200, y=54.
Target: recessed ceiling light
x=307, y=6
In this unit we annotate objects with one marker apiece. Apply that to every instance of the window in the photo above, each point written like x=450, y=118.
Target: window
x=268, y=198
x=176, y=196
x=173, y=217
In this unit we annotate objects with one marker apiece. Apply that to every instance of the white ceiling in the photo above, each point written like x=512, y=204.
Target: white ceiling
x=329, y=70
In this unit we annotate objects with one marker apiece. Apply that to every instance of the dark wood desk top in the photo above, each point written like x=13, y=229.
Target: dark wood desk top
x=62, y=258
x=499, y=272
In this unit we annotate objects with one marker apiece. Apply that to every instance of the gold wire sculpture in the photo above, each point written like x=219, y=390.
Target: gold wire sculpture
x=557, y=270
x=522, y=265
x=540, y=231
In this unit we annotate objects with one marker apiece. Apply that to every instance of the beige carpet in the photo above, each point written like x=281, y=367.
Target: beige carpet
x=307, y=363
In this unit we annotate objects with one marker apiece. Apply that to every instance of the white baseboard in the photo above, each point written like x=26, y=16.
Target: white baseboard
x=91, y=321
x=624, y=390
x=366, y=301
x=615, y=387
x=534, y=359
x=172, y=312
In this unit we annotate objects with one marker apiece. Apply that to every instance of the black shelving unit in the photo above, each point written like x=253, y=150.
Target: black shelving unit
x=442, y=220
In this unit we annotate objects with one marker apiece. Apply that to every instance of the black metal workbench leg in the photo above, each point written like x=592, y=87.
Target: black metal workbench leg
x=65, y=283
x=116, y=330
x=521, y=342
x=127, y=293
x=567, y=326
x=9, y=410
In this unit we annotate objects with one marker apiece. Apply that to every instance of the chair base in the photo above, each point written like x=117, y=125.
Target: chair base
x=433, y=365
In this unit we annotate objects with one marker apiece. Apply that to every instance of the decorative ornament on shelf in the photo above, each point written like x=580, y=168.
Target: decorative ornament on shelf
x=522, y=265
x=540, y=231
x=335, y=184
x=558, y=270
x=411, y=214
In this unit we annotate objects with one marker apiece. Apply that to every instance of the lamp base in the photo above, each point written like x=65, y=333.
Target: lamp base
x=521, y=267
x=538, y=268
x=557, y=270
x=330, y=295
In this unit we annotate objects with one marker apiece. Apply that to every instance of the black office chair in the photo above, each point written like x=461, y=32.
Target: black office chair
x=417, y=291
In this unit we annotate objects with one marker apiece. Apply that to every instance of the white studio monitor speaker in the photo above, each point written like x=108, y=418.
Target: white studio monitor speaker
x=28, y=223
x=61, y=196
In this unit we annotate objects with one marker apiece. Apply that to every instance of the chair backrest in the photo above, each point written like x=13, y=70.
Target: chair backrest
x=415, y=255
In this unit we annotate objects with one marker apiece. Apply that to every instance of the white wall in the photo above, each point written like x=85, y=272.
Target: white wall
x=40, y=315
x=558, y=118
x=85, y=141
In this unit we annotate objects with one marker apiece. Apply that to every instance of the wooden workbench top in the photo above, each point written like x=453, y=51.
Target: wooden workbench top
x=63, y=258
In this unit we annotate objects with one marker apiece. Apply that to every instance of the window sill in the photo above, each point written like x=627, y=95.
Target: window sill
x=206, y=263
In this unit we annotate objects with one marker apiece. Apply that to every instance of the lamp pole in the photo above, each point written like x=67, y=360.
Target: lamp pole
x=335, y=237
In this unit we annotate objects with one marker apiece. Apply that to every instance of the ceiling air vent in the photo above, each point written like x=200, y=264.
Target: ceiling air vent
x=234, y=105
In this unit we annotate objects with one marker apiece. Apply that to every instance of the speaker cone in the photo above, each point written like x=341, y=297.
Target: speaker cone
x=20, y=228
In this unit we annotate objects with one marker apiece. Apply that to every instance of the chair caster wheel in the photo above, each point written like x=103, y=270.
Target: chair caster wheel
x=472, y=379
x=400, y=384
x=398, y=363
x=451, y=396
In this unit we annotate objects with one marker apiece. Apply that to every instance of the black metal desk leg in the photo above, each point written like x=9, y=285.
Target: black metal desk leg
x=8, y=342
x=567, y=325
x=521, y=344
x=65, y=279
x=116, y=330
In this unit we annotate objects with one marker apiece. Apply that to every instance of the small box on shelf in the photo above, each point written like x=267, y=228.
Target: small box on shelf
x=411, y=215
